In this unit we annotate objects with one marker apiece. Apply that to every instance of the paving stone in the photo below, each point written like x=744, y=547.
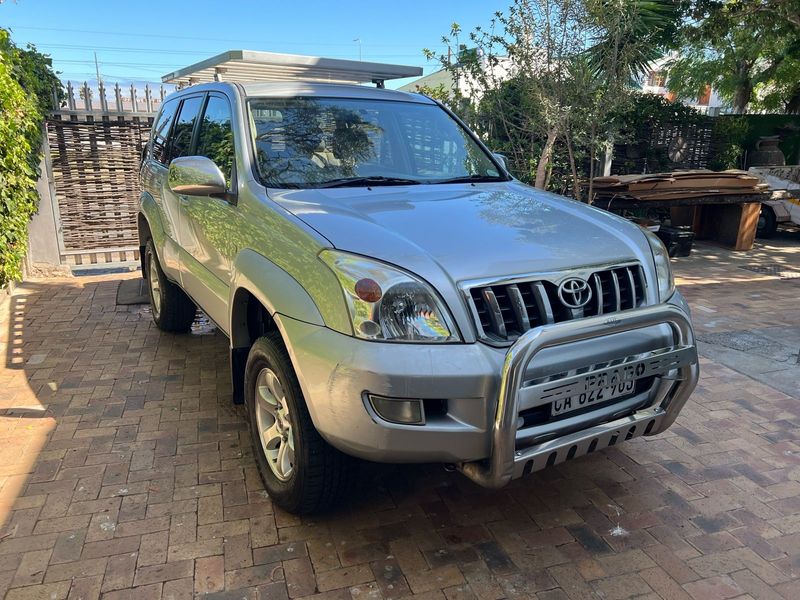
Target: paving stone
x=140, y=481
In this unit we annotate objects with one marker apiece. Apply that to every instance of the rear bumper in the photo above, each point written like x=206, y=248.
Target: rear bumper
x=676, y=366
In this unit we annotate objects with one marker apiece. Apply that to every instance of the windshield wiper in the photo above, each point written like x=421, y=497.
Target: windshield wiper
x=367, y=181
x=475, y=178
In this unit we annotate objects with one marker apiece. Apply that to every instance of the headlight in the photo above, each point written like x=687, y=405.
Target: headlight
x=388, y=304
x=666, y=284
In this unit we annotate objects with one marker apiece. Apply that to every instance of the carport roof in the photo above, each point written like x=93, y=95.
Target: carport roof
x=252, y=66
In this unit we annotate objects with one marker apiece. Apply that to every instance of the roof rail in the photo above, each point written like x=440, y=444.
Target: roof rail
x=249, y=66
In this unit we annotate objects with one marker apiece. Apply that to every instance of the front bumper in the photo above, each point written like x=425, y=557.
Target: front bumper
x=486, y=389
x=506, y=462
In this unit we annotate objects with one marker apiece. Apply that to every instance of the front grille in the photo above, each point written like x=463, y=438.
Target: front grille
x=506, y=311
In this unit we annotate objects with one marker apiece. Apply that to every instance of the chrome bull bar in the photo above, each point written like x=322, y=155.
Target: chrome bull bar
x=506, y=463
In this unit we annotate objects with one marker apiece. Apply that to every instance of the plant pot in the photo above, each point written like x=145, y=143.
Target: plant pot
x=767, y=153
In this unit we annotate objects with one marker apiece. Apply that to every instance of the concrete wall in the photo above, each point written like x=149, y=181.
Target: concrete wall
x=44, y=251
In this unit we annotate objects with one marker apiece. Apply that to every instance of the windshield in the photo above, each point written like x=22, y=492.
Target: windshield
x=327, y=142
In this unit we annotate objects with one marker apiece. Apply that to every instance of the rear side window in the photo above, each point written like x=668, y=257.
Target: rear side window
x=158, y=144
x=184, y=127
x=215, y=136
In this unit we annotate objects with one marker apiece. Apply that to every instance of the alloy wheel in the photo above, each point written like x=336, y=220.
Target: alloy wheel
x=274, y=425
x=155, y=285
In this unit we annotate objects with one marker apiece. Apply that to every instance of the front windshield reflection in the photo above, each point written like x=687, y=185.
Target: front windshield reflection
x=310, y=142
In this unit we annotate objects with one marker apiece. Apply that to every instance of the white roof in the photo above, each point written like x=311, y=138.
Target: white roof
x=252, y=66
x=293, y=89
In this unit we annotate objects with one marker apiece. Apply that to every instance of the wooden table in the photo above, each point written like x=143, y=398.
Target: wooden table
x=730, y=219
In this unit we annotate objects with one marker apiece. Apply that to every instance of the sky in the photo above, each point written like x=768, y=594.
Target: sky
x=144, y=39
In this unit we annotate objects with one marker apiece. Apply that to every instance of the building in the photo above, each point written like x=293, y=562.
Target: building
x=655, y=83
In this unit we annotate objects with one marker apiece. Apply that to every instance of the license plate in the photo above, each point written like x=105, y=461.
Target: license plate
x=592, y=396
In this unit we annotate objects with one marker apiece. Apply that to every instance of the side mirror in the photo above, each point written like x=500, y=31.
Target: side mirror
x=501, y=158
x=196, y=176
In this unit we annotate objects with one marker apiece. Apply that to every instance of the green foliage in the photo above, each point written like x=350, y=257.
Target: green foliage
x=653, y=110
x=439, y=93
x=630, y=35
x=543, y=78
x=24, y=96
x=729, y=134
x=749, y=52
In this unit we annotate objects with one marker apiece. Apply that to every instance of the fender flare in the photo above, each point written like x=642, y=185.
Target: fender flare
x=149, y=214
x=148, y=210
x=276, y=290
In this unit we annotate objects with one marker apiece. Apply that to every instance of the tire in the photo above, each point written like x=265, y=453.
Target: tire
x=173, y=310
x=309, y=475
x=767, y=222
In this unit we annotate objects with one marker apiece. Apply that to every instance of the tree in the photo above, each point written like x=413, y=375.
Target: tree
x=545, y=75
x=25, y=93
x=749, y=52
x=516, y=78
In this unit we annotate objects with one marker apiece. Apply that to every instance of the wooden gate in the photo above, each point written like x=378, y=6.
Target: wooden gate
x=92, y=161
x=94, y=166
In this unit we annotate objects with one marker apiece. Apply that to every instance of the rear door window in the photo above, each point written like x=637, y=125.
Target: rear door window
x=183, y=129
x=215, y=136
x=158, y=144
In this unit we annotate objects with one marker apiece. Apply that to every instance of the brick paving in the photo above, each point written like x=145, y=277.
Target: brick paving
x=125, y=472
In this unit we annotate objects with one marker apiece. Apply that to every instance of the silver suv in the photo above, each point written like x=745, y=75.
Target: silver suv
x=391, y=293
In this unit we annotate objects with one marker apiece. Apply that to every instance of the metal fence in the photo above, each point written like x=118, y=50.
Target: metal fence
x=667, y=147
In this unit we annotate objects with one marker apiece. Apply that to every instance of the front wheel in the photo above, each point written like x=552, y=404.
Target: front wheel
x=301, y=472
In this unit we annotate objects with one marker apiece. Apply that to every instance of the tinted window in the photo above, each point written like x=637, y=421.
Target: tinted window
x=158, y=144
x=311, y=142
x=184, y=126
x=215, y=138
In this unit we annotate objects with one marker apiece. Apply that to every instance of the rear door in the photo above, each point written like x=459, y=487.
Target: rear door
x=209, y=226
x=179, y=144
x=154, y=176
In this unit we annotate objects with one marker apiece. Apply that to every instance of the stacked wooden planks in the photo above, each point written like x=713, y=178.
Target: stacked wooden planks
x=677, y=185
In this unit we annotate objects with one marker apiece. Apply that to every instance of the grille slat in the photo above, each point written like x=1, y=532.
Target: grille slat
x=506, y=311
x=495, y=314
x=616, y=291
x=598, y=290
x=543, y=303
x=519, y=308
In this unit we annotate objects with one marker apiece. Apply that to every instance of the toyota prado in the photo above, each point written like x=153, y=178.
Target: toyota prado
x=391, y=293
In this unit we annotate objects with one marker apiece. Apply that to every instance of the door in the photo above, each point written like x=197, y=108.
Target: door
x=179, y=143
x=154, y=180
x=209, y=226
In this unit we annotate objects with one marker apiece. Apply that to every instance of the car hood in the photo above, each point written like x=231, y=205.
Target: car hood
x=469, y=231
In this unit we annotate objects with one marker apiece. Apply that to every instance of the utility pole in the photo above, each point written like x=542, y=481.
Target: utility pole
x=97, y=69
x=358, y=41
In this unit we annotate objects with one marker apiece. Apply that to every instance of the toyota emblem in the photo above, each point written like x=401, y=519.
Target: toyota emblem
x=574, y=293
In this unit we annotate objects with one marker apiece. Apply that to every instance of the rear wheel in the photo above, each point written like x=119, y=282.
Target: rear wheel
x=767, y=222
x=301, y=472
x=172, y=309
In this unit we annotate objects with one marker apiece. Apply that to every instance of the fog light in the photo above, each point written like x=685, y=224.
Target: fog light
x=395, y=410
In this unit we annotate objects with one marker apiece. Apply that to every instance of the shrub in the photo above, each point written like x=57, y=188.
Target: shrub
x=26, y=80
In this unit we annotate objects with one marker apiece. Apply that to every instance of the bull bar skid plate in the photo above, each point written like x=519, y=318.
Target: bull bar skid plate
x=506, y=463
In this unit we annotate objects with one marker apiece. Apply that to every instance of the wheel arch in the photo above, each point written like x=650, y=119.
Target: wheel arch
x=148, y=225
x=260, y=291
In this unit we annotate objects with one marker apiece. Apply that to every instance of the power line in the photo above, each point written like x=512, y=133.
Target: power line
x=161, y=51
x=135, y=65
x=182, y=37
